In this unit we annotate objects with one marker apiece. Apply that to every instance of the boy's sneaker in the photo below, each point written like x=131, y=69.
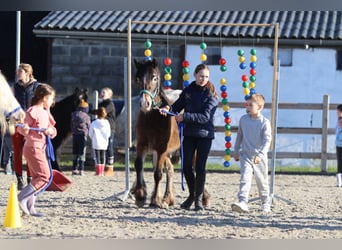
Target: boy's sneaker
x=240, y=207
x=266, y=208
x=74, y=172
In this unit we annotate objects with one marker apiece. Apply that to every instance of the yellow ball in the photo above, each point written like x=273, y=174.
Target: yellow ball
x=223, y=81
x=148, y=52
x=225, y=107
x=228, y=133
x=252, y=85
x=186, y=77
x=242, y=59
x=245, y=91
x=203, y=57
x=167, y=77
x=253, y=58
x=227, y=157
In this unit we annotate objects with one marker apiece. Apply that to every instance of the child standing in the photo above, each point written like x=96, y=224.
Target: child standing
x=251, y=146
x=99, y=132
x=80, y=123
x=338, y=143
x=38, y=116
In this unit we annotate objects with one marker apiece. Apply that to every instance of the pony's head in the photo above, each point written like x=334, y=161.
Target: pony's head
x=79, y=95
x=10, y=110
x=148, y=79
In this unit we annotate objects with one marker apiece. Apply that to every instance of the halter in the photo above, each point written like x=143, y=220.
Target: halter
x=151, y=94
x=8, y=114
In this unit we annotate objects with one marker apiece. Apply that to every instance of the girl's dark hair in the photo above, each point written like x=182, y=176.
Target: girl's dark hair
x=41, y=91
x=101, y=113
x=339, y=107
x=210, y=86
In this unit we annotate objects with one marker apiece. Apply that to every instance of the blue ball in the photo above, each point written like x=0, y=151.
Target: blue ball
x=223, y=88
x=243, y=65
x=148, y=58
x=252, y=65
x=186, y=84
x=167, y=83
x=246, y=97
x=226, y=114
x=228, y=138
x=252, y=91
x=226, y=164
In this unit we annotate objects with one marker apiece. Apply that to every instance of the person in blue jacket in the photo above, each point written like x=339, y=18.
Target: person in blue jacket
x=198, y=102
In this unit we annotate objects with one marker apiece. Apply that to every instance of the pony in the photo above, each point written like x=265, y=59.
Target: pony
x=154, y=134
x=10, y=109
x=61, y=112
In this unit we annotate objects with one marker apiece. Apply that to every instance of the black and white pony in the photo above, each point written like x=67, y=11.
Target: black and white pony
x=10, y=110
x=61, y=111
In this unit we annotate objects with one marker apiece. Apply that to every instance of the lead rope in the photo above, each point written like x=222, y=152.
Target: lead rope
x=180, y=128
x=49, y=154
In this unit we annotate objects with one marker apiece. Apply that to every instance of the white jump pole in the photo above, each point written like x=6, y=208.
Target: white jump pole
x=128, y=102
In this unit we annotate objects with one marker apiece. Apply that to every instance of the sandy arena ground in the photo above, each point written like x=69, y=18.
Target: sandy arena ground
x=93, y=209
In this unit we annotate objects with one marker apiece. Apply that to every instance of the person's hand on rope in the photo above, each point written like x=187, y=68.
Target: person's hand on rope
x=164, y=110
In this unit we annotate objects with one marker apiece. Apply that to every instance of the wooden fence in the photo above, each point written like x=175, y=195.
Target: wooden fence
x=324, y=131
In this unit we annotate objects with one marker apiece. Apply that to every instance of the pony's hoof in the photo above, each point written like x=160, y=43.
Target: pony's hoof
x=140, y=197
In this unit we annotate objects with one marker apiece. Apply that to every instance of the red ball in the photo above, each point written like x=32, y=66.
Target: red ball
x=228, y=144
x=252, y=72
x=227, y=120
x=167, y=61
x=224, y=94
x=185, y=64
x=244, y=78
x=222, y=61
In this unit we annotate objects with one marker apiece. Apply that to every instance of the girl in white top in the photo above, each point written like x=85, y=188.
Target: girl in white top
x=99, y=132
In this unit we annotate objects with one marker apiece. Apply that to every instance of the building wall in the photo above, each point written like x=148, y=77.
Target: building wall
x=95, y=64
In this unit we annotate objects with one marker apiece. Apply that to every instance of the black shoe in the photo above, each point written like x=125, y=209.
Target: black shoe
x=187, y=203
x=29, y=179
x=20, y=185
x=198, y=206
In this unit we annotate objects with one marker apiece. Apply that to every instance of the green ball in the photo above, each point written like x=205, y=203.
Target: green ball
x=203, y=45
x=224, y=101
x=245, y=84
x=223, y=68
x=228, y=151
x=168, y=70
x=240, y=52
x=252, y=78
x=227, y=127
x=148, y=44
x=253, y=52
x=186, y=70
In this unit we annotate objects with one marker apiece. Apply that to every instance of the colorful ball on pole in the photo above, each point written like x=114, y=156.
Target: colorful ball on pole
x=186, y=77
x=148, y=44
x=226, y=114
x=168, y=71
x=148, y=52
x=203, y=45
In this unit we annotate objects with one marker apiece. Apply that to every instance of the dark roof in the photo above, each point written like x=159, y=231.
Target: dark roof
x=321, y=25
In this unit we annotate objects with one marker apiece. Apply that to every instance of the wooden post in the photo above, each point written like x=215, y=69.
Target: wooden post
x=325, y=125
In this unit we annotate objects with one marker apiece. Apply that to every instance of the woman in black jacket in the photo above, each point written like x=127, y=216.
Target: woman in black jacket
x=199, y=101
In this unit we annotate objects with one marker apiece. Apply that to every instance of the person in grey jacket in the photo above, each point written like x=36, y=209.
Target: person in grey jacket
x=252, y=143
x=199, y=102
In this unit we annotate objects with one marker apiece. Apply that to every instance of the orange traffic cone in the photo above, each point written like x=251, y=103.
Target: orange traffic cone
x=12, y=217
